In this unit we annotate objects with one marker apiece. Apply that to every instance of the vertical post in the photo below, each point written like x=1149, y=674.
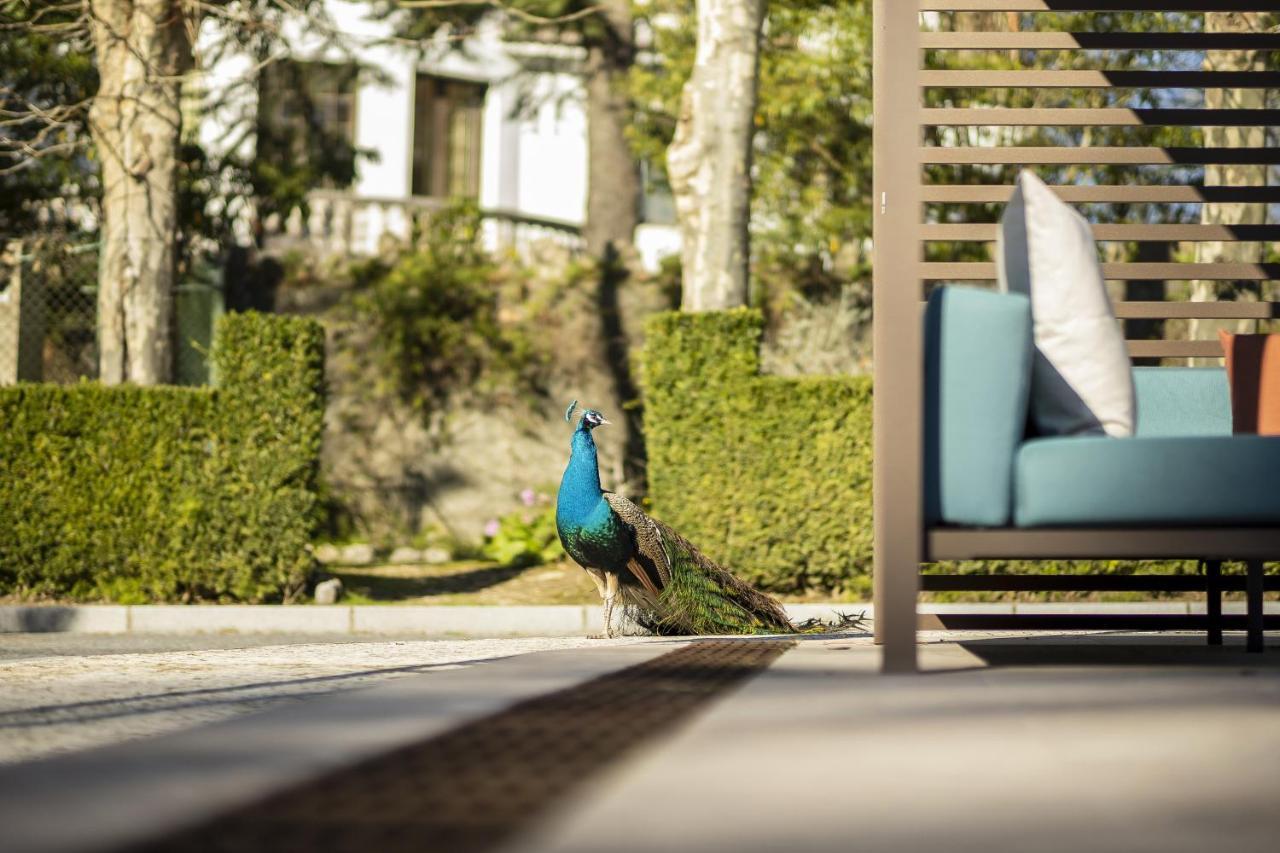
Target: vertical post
x=1213, y=600
x=1253, y=597
x=22, y=321
x=897, y=334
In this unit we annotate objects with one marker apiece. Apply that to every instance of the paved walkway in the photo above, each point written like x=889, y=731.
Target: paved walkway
x=1106, y=743
x=65, y=692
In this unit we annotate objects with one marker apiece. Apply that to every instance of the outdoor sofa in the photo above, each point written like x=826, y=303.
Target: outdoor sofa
x=1182, y=487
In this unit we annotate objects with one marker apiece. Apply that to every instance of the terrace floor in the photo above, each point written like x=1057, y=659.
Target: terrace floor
x=1031, y=742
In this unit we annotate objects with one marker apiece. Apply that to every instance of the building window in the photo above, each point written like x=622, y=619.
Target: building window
x=447, y=122
x=307, y=120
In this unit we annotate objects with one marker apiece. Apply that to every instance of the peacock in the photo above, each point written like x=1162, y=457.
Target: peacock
x=667, y=584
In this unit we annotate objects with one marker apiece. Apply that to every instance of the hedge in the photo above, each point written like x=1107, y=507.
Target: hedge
x=768, y=475
x=132, y=494
x=772, y=476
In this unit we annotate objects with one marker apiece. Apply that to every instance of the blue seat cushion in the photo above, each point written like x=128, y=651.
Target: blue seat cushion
x=1182, y=401
x=1149, y=482
x=977, y=382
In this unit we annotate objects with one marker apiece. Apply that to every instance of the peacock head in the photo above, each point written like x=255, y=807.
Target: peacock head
x=590, y=417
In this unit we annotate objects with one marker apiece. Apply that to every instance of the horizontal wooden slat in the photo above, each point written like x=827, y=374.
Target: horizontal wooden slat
x=1096, y=6
x=1098, y=156
x=1231, y=310
x=1105, y=543
x=1174, y=349
x=968, y=79
x=1081, y=622
x=991, y=117
x=1149, y=582
x=986, y=232
x=1185, y=194
x=1098, y=41
x=981, y=271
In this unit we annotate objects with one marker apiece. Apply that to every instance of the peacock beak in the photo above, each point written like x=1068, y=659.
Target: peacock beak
x=605, y=422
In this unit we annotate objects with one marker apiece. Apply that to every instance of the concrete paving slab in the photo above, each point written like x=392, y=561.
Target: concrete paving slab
x=1105, y=751
x=101, y=799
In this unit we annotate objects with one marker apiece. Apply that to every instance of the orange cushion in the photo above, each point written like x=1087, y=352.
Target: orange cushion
x=1253, y=365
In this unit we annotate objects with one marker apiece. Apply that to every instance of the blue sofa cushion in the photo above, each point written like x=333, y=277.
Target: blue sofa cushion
x=1148, y=482
x=1182, y=401
x=977, y=381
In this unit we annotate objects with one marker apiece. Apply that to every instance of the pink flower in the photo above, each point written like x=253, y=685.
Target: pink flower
x=528, y=497
x=491, y=528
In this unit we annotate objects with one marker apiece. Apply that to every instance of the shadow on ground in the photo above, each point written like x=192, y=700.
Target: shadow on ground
x=383, y=586
x=1095, y=650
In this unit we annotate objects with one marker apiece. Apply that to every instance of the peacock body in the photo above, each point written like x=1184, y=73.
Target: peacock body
x=663, y=579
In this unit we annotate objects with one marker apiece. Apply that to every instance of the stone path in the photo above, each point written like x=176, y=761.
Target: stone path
x=69, y=692
x=1097, y=742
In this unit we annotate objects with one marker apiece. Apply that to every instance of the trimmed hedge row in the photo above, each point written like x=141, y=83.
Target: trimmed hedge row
x=772, y=476
x=134, y=494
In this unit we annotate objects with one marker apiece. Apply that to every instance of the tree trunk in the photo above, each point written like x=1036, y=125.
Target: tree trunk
x=1219, y=213
x=709, y=161
x=613, y=182
x=142, y=47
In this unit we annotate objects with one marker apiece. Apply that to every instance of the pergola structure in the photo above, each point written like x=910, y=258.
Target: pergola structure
x=906, y=219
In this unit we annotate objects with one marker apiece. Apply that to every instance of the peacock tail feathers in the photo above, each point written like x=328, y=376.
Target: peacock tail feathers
x=703, y=598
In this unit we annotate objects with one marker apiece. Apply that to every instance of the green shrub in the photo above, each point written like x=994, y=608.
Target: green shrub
x=768, y=475
x=772, y=476
x=435, y=316
x=168, y=494
x=526, y=536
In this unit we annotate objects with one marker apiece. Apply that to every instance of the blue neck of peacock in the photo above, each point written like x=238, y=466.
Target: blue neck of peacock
x=580, y=489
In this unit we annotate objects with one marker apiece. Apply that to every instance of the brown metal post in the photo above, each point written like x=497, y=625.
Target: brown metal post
x=897, y=334
x=1253, y=597
x=1213, y=600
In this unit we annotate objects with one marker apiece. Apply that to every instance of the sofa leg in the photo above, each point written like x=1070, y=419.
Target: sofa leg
x=1253, y=593
x=1213, y=600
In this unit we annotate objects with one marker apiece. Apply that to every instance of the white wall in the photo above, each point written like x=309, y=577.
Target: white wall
x=553, y=150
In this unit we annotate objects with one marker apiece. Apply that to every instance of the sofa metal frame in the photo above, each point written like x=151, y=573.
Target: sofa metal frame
x=900, y=192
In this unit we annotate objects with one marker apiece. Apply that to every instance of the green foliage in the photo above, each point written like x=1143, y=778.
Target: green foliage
x=47, y=79
x=169, y=494
x=810, y=213
x=526, y=536
x=435, y=315
x=770, y=477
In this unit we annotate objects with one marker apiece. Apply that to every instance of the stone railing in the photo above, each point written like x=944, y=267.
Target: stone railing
x=341, y=223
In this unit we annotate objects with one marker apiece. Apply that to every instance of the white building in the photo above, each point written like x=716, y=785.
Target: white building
x=438, y=123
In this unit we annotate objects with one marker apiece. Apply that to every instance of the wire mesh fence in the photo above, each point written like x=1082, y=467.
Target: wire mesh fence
x=48, y=313
x=49, y=309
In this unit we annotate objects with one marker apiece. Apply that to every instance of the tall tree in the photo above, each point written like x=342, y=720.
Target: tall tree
x=102, y=132
x=143, y=47
x=810, y=222
x=709, y=161
x=613, y=186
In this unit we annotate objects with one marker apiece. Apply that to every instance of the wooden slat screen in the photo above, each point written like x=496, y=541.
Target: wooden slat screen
x=1128, y=136
x=950, y=121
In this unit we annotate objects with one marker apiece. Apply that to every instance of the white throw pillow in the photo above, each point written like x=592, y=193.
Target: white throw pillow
x=1082, y=380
